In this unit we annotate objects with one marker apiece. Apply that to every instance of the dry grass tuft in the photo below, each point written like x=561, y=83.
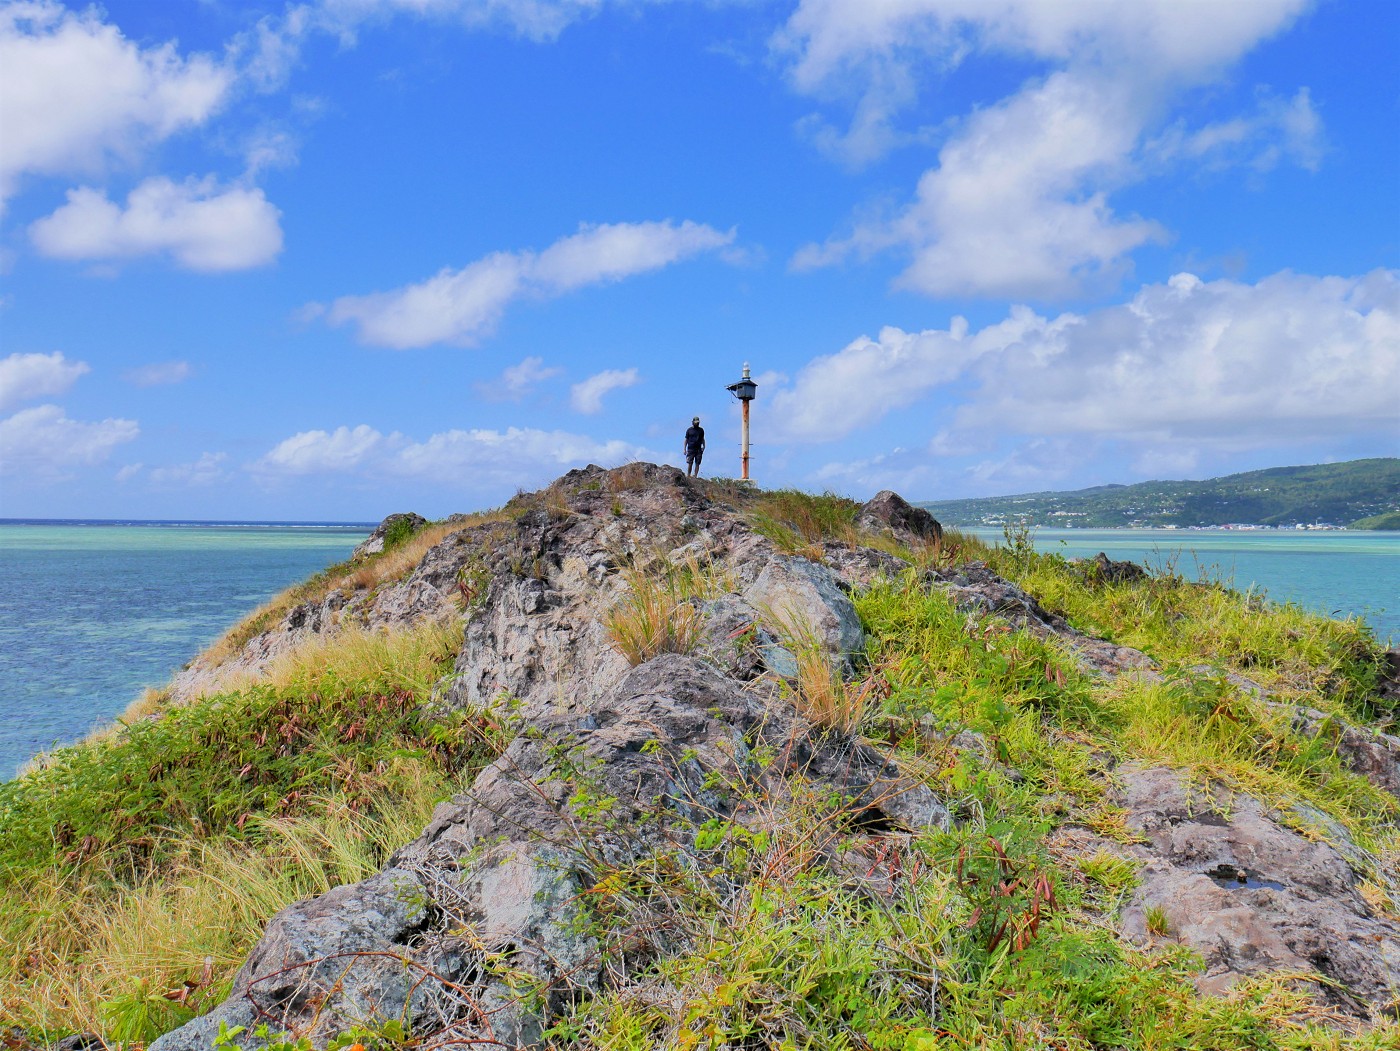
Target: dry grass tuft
x=823, y=695
x=77, y=949
x=652, y=618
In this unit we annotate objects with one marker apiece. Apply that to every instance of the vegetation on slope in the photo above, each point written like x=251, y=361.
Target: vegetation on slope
x=144, y=864
x=1364, y=494
x=987, y=936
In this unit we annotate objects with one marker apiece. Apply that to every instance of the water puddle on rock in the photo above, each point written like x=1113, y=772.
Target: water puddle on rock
x=1233, y=878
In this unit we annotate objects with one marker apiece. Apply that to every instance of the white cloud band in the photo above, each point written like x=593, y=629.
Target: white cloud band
x=463, y=306
x=478, y=459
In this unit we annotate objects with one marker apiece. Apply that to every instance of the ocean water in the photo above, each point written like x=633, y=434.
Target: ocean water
x=1332, y=572
x=92, y=614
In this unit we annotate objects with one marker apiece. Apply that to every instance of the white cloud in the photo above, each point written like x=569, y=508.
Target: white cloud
x=1278, y=129
x=159, y=374
x=1018, y=203
x=463, y=306
x=839, y=393
x=1182, y=367
x=202, y=226
x=26, y=376
x=43, y=441
x=1209, y=363
x=900, y=469
x=316, y=452
x=467, y=459
x=517, y=381
x=587, y=395
x=77, y=94
x=207, y=470
x=1008, y=211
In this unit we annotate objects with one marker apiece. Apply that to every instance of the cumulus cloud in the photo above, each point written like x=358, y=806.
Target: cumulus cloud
x=1210, y=362
x=159, y=374
x=517, y=381
x=1182, y=366
x=318, y=452
x=1018, y=204
x=201, y=225
x=836, y=394
x=27, y=376
x=43, y=441
x=467, y=459
x=463, y=306
x=77, y=94
x=586, y=396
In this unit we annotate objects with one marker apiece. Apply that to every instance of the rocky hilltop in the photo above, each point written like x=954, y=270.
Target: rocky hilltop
x=776, y=771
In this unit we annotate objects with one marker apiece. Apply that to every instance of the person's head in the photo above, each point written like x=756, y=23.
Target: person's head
x=696, y=421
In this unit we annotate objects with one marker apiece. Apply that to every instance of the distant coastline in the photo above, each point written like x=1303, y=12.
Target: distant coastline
x=1362, y=495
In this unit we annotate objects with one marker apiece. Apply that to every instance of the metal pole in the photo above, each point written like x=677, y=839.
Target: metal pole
x=745, y=475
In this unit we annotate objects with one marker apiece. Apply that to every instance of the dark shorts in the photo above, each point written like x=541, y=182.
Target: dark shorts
x=692, y=457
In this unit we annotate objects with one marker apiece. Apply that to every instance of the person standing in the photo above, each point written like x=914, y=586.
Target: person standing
x=694, y=448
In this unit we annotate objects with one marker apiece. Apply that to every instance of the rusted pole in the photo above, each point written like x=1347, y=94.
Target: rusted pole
x=745, y=475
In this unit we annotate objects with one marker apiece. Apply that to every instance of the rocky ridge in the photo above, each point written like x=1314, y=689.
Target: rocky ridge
x=490, y=889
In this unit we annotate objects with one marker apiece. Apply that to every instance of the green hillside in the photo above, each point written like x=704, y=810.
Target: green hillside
x=1363, y=494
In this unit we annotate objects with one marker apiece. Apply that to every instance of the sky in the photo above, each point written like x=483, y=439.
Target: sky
x=336, y=259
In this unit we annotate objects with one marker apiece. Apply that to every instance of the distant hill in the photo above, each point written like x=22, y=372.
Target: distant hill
x=1361, y=494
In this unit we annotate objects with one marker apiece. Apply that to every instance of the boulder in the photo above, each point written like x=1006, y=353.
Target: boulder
x=407, y=523
x=888, y=512
x=799, y=598
x=1103, y=570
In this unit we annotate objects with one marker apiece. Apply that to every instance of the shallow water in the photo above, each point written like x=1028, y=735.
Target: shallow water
x=92, y=614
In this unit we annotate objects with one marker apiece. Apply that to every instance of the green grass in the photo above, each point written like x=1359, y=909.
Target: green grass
x=981, y=937
x=127, y=861
x=1332, y=664
x=796, y=521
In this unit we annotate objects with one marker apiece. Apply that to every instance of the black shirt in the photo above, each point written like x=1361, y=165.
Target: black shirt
x=695, y=438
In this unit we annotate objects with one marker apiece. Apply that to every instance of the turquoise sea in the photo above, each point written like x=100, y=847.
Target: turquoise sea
x=92, y=613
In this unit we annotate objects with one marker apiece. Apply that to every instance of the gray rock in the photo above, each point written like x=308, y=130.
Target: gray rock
x=1370, y=753
x=493, y=881
x=497, y=873
x=888, y=512
x=1250, y=895
x=1103, y=570
x=978, y=591
x=796, y=596
x=374, y=543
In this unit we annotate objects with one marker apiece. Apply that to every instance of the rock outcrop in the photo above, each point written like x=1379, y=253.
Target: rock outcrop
x=495, y=875
x=1250, y=894
x=397, y=525
x=613, y=762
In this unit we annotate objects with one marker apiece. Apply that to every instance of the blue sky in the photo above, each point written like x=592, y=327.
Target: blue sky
x=335, y=259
